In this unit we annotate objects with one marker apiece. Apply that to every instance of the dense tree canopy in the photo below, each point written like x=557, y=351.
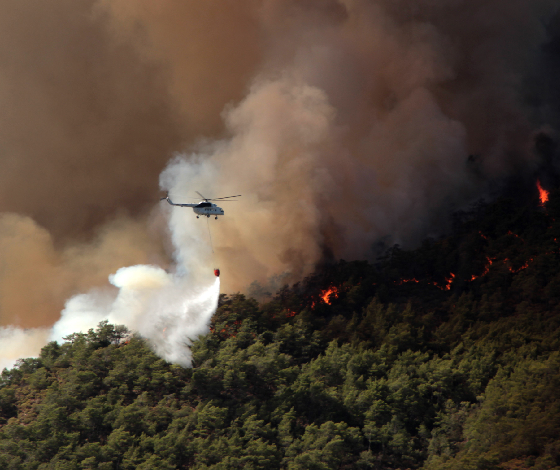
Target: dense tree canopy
x=444, y=357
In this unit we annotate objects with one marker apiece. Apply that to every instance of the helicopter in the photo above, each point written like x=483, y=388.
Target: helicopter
x=204, y=207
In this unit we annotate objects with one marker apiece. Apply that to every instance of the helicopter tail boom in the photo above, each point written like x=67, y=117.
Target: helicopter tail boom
x=174, y=204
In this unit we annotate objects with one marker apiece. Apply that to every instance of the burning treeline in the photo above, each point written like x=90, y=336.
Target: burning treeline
x=505, y=249
x=345, y=123
x=521, y=262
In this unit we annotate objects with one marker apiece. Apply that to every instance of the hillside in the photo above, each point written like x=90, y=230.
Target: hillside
x=444, y=357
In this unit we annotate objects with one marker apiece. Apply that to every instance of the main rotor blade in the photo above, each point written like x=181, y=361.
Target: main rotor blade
x=219, y=198
x=206, y=199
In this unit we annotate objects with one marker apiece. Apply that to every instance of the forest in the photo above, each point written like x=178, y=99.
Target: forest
x=442, y=357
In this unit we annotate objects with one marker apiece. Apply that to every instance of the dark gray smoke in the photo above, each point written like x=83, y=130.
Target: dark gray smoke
x=367, y=121
x=342, y=123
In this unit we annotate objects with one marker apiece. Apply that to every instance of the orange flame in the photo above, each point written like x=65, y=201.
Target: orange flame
x=448, y=281
x=326, y=294
x=525, y=266
x=402, y=281
x=486, y=270
x=543, y=193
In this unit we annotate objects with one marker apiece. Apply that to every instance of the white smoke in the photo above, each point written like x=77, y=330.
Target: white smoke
x=278, y=159
x=16, y=343
x=168, y=310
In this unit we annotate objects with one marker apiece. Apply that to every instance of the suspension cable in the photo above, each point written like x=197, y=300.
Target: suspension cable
x=209, y=234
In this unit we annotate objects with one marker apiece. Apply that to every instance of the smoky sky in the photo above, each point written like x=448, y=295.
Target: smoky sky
x=342, y=123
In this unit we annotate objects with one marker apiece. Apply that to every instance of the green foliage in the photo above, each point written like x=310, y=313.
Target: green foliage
x=403, y=366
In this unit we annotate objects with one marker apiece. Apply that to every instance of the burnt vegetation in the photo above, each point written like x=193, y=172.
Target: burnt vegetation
x=444, y=357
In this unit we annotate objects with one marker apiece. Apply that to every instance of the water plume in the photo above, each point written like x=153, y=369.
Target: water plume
x=168, y=310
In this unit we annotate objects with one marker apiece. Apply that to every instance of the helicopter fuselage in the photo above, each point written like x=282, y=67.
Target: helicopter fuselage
x=208, y=209
x=202, y=208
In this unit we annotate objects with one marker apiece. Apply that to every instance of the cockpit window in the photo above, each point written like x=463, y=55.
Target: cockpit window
x=204, y=204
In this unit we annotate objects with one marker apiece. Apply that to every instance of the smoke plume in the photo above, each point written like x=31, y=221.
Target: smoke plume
x=16, y=343
x=358, y=127
x=341, y=122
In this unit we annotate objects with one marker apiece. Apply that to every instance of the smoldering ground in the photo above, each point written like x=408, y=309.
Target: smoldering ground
x=341, y=122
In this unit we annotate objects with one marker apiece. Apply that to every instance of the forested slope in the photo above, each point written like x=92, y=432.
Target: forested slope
x=445, y=357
